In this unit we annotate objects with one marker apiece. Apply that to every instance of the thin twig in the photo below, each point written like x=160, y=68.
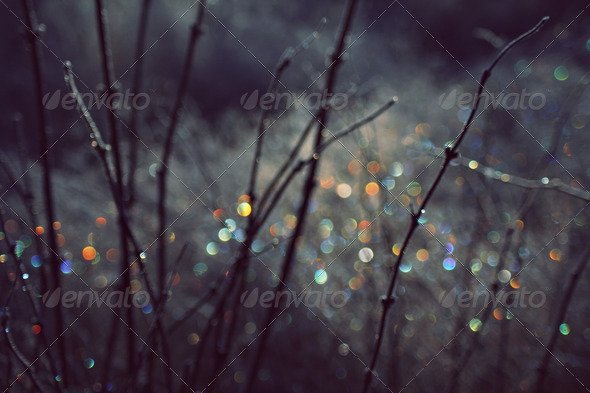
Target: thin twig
x=163, y=170
x=102, y=22
x=137, y=86
x=157, y=316
x=284, y=62
x=4, y=323
x=104, y=153
x=570, y=288
x=185, y=76
x=308, y=188
x=487, y=311
x=224, y=340
x=527, y=200
x=554, y=184
x=32, y=35
x=302, y=163
x=24, y=277
x=451, y=152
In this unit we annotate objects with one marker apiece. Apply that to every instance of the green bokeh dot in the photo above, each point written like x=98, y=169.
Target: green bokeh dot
x=561, y=73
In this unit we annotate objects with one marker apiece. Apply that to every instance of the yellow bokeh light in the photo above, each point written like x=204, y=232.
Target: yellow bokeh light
x=244, y=209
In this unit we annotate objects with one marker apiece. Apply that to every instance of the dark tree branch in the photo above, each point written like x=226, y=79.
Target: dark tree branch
x=224, y=340
x=32, y=35
x=102, y=21
x=275, y=197
x=451, y=152
x=104, y=153
x=5, y=322
x=308, y=188
x=554, y=184
x=135, y=119
x=163, y=170
x=570, y=288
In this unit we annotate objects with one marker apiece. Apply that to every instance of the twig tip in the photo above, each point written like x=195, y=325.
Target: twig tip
x=67, y=65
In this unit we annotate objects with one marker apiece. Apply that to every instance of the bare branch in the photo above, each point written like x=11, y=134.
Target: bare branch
x=308, y=188
x=302, y=163
x=33, y=38
x=450, y=154
x=137, y=86
x=545, y=183
x=570, y=288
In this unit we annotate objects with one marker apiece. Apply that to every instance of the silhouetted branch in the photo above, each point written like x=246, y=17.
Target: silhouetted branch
x=137, y=86
x=104, y=153
x=4, y=323
x=308, y=188
x=302, y=163
x=451, y=153
x=224, y=340
x=570, y=288
x=24, y=278
x=163, y=170
x=157, y=318
x=281, y=67
x=527, y=199
x=49, y=205
x=476, y=338
x=554, y=184
x=102, y=21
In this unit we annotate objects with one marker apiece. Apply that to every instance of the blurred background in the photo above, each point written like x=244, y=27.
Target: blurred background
x=479, y=231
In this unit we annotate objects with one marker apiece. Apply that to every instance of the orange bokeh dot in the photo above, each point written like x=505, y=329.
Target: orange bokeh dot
x=112, y=254
x=89, y=253
x=498, y=314
x=515, y=283
x=354, y=167
x=422, y=255
x=101, y=221
x=373, y=167
x=363, y=224
x=555, y=254
x=327, y=182
x=57, y=225
x=372, y=188
x=39, y=230
x=244, y=198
